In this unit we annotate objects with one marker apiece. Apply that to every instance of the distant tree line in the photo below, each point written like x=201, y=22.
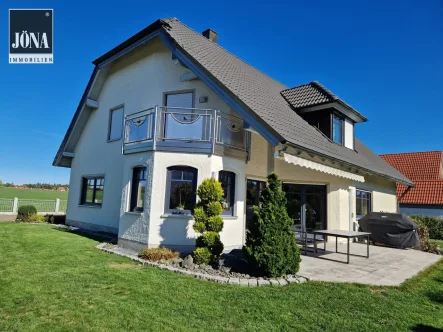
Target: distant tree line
x=38, y=185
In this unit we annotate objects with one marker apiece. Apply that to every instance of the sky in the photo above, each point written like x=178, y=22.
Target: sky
x=385, y=58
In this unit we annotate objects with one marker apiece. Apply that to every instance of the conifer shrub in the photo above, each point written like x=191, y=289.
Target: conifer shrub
x=207, y=222
x=270, y=244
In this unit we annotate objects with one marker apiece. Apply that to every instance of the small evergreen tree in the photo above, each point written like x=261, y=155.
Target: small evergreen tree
x=208, y=222
x=270, y=243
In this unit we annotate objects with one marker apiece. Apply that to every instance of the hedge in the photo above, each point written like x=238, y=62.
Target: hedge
x=434, y=224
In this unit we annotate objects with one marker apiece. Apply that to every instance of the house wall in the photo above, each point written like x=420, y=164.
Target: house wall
x=428, y=210
x=176, y=231
x=137, y=81
x=341, y=207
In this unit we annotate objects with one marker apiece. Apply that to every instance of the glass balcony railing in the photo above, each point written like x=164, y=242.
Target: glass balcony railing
x=165, y=125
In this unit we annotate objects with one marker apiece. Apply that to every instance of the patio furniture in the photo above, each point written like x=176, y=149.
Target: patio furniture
x=342, y=234
x=305, y=239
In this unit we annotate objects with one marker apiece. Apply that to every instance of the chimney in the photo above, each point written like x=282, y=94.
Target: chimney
x=211, y=35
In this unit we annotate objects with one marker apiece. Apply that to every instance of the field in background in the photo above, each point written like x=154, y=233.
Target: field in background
x=32, y=194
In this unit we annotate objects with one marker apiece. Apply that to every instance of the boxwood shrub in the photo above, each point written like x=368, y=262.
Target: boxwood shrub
x=26, y=212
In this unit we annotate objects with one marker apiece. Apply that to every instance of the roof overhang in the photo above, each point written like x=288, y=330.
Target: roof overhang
x=340, y=107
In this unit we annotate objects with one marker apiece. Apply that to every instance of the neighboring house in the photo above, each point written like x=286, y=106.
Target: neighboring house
x=169, y=107
x=426, y=170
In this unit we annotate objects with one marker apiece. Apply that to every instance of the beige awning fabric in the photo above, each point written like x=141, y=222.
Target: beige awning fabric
x=289, y=158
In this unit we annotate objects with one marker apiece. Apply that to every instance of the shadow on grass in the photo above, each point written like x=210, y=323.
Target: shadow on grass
x=96, y=236
x=435, y=296
x=425, y=328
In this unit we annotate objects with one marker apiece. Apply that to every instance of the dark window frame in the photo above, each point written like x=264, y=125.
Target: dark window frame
x=83, y=196
x=169, y=179
x=361, y=203
x=335, y=115
x=136, y=178
x=113, y=109
x=231, y=194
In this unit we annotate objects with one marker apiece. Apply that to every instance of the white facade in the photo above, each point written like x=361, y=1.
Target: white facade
x=137, y=82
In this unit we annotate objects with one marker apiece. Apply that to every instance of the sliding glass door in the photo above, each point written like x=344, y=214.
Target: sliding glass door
x=306, y=205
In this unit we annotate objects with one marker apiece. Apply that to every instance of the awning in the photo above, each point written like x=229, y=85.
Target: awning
x=289, y=158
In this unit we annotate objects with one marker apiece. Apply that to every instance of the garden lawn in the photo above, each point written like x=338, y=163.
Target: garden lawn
x=32, y=193
x=53, y=280
x=440, y=243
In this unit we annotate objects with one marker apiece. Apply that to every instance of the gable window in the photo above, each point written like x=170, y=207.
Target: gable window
x=181, y=186
x=115, y=124
x=92, y=191
x=363, y=203
x=227, y=180
x=337, y=129
x=138, y=189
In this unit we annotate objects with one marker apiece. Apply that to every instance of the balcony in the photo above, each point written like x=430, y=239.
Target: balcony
x=184, y=130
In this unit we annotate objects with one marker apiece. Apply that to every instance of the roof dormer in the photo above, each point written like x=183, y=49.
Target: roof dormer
x=325, y=111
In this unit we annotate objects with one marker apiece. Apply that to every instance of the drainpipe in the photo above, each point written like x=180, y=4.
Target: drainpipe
x=401, y=197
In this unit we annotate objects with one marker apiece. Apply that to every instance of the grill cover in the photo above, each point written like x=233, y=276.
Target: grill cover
x=393, y=229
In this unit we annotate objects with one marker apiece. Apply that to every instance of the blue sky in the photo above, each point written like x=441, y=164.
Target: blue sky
x=385, y=58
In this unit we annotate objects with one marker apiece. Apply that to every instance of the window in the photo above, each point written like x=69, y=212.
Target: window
x=115, y=124
x=138, y=189
x=337, y=129
x=181, y=185
x=227, y=180
x=92, y=191
x=363, y=203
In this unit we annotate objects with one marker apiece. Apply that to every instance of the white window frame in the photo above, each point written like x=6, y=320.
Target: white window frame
x=111, y=111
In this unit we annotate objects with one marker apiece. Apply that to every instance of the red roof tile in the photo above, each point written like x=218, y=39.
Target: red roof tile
x=425, y=170
x=417, y=166
x=425, y=192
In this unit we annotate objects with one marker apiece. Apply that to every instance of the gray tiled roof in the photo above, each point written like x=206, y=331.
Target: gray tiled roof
x=306, y=95
x=262, y=95
x=313, y=94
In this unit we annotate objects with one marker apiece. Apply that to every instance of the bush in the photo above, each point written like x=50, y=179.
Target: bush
x=36, y=218
x=270, y=243
x=202, y=255
x=434, y=224
x=207, y=221
x=157, y=254
x=423, y=234
x=25, y=212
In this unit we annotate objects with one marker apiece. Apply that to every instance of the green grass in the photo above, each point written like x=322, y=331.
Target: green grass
x=51, y=280
x=440, y=243
x=32, y=193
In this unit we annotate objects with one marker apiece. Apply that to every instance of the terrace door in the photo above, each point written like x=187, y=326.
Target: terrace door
x=306, y=205
x=181, y=122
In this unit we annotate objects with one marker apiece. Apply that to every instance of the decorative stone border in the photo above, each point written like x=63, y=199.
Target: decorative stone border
x=252, y=282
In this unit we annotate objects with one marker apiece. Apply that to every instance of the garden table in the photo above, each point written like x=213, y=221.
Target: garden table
x=342, y=234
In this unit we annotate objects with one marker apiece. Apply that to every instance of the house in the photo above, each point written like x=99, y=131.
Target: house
x=170, y=107
x=426, y=170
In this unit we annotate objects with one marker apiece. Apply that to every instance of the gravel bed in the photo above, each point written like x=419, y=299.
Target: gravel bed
x=231, y=268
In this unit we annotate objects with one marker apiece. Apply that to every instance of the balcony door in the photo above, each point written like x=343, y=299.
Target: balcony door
x=306, y=205
x=181, y=122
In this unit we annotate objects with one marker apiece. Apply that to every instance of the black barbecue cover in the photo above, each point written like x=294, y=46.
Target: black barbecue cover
x=393, y=229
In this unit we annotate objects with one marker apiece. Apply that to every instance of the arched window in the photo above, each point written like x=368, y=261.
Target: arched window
x=181, y=186
x=227, y=180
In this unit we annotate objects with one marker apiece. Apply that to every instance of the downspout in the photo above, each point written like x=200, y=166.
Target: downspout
x=401, y=197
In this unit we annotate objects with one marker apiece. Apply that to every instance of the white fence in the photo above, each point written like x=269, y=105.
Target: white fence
x=42, y=206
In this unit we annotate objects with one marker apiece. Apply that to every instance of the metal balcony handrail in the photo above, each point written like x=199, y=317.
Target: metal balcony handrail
x=211, y=126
